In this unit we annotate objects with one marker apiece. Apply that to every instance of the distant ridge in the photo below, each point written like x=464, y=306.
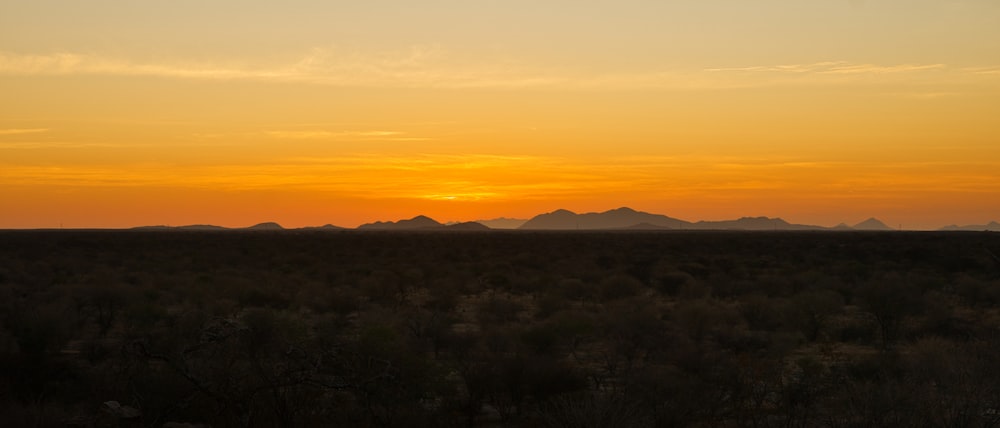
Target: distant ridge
x=415, y=223
x=558, y=219
x=422, y=222
x=188, y=227
x=503, y=223
x=623, y=218
x=753, y=223
x=468, y=226
x=627, y=218
x=324, y=227
x=209, y=227
x=203, y=227
x=619, y=218
x=872, y=224
x=992, y=226
x=266, y=226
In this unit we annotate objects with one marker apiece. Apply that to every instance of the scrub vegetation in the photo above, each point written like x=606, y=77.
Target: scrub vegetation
x=547, y=329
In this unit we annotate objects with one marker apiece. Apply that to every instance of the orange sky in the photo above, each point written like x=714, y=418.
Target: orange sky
x=118, y=114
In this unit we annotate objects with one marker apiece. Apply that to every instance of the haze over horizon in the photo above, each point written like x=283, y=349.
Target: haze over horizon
x=121, y=114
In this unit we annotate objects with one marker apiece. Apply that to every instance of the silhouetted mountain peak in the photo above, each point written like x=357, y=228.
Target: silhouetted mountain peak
x=872, y=224
x=623, y=210
x=418, y=222
x=266, y=226
x=202, y=227
x=753, y=223
x=323, y=227
x=763, y=220
x=467, y=226
x=614, y=219
x=560, y=212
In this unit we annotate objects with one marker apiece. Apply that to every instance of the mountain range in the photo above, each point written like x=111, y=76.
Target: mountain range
x=614, y=219
x=421, y=222
x=630, y=219
x=623, y=218
x=991, y=226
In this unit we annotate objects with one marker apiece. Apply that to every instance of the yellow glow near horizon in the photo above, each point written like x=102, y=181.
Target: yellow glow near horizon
x=818, y=112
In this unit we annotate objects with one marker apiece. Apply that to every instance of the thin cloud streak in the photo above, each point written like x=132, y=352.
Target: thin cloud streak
x=13, y=145
x=430, y=67
x=833, y=67
x=310, y=135
x=418, y=67
x=22, y=131
x=787, y=68
x=983, y=70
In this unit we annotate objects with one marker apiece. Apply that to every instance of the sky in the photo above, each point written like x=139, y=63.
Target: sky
x=118, y=113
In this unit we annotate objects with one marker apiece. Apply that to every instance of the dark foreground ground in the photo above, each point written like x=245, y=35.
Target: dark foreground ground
x=239, y=329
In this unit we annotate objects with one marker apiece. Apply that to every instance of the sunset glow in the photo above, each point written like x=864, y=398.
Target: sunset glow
x=120, y=114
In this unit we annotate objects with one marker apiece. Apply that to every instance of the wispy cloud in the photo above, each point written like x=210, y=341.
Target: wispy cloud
x=21, y=131
x=432, y=66
x=922, y=77
x=983, y=70
x=786, y=68
x=418, y=66
x=832, y=67
x=881, y=69
x=342, y=135
x=59, y=145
